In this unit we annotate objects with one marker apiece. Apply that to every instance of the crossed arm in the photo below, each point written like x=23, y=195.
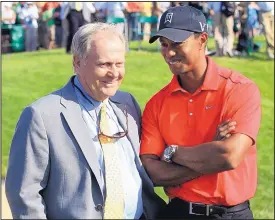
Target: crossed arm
x=192, y=162
x=215, y=156
x=222, y=154
x=167, y=174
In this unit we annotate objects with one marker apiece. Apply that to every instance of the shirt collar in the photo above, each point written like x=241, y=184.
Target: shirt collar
x=86, y=96
x=211, y=80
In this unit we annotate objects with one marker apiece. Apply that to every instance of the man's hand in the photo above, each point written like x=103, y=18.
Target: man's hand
x=223, y=132
x=224, y=129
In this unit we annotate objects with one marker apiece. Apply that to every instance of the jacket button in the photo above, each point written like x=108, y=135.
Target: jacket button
x=98, y=207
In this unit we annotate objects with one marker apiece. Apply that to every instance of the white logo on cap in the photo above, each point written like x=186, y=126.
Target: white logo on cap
x=203, y=26
x=168, y=17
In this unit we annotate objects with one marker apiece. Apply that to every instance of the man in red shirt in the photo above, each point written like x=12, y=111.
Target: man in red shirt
x=204, y=176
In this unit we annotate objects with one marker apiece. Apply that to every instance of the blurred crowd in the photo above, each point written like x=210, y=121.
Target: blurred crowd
x=52, y=24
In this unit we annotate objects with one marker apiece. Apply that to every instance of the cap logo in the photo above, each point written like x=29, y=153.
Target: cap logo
x=203, y=26
x=168, y=17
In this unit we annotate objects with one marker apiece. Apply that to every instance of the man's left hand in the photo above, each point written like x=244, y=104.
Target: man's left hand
x=224, y=129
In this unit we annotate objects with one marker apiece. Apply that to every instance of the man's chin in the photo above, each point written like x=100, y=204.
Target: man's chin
x=177, y=71
x=109, y=91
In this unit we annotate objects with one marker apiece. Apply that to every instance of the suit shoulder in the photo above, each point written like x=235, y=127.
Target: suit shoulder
x=47, y=101
x=122, y=97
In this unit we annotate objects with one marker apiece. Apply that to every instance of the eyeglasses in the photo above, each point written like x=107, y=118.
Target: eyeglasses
x=117, y=135
x=100, y=133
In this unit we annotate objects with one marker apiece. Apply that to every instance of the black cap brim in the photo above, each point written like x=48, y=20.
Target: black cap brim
x=175, y=35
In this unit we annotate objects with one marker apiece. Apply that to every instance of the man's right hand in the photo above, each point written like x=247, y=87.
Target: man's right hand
x=224, y=129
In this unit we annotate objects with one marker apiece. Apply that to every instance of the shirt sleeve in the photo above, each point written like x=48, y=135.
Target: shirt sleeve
x=45, y=16
x=244, y=107
x=151, y=138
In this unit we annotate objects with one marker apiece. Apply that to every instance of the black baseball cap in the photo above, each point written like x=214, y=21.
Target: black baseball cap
x=180, y=22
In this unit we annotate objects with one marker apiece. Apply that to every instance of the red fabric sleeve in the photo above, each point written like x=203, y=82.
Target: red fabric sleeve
x=151, y=138
x=244, y=106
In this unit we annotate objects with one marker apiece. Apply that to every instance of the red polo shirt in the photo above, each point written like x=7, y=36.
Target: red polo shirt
x=174, y=116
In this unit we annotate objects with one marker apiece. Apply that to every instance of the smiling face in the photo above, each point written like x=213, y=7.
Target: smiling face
x=183, y=57
x=102, y=72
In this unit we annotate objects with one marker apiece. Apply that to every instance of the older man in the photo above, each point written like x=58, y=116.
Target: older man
x=203, y=175
x=75, y=152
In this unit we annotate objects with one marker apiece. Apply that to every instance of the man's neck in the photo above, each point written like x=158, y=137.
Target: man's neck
x=191, y=81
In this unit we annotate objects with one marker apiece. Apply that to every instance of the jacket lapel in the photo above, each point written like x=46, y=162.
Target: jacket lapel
x=132, y=134
x=73, y=115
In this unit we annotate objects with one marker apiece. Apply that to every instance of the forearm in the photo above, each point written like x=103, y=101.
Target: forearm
x=167, y=174
x=205, y=158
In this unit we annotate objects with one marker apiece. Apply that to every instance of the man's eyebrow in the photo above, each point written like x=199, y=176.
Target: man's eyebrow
x=101, y=61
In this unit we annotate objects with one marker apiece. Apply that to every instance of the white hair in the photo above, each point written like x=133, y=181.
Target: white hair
x=83, y=38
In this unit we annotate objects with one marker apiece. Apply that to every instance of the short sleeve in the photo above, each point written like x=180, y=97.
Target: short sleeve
x=151, y=138
x=244, y=107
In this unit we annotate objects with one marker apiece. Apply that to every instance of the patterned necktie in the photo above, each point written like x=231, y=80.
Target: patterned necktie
x=114, y=202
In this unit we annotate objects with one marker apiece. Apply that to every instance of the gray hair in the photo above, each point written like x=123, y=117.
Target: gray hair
x=83, y=38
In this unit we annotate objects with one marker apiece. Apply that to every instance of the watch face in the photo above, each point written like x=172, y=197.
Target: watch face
x=168, y=151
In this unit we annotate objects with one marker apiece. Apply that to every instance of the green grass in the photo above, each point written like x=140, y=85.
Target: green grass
x=28, y=76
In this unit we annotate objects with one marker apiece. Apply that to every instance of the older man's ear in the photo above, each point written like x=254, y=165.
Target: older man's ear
x=76, y=64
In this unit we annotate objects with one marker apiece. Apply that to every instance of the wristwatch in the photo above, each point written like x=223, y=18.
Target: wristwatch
x=169, y=152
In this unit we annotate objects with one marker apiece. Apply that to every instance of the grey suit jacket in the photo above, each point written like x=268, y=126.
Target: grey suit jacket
x=53, y=171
